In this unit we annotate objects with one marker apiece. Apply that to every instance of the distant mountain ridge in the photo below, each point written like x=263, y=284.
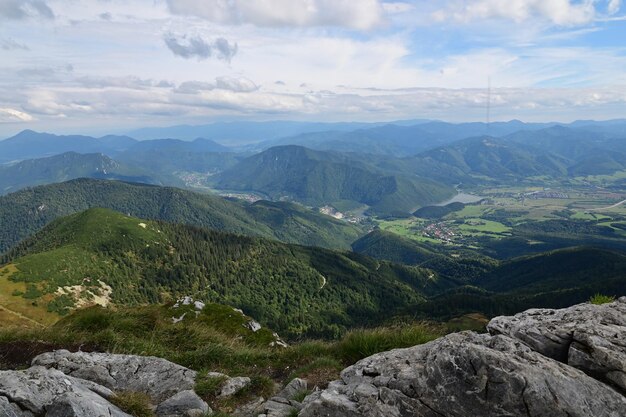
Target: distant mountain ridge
x=29, y=144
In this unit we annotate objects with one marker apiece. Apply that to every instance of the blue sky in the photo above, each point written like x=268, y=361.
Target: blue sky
x=97, y=66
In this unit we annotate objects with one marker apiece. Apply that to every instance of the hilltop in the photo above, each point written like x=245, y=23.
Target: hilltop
x=320, y=178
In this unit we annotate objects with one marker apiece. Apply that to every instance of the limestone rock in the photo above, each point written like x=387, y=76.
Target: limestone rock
x=253, y=325
x=589, y=337
x=9, y=409
x=293, y=388
x=233, y=385
x=40, y=391
x=156, y=377
x=280, y=407
x=251, y=409
x=464, y=374
x=184, y=404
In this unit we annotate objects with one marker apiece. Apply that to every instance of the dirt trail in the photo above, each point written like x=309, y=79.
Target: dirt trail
x=21, y=316
x=609, y=207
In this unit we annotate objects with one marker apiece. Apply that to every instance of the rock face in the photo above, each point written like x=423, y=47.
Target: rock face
x=531, y=365
x=157, y=377
x=588, y=337
x=47, y=392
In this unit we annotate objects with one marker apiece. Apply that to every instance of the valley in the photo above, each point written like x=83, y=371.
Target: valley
x=510, y=212
x=315, y=240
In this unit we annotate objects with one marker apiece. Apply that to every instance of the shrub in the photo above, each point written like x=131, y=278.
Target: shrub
x=601, y=299
x=92, y=319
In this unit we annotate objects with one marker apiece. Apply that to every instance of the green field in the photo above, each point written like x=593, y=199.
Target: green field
x=506, y=209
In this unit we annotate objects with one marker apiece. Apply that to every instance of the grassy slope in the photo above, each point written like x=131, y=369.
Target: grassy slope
x=215, y=340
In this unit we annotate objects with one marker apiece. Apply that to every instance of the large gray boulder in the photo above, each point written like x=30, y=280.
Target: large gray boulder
x=50, y=393
x=185, y=403
x=156, y=377
x=589, y=337
x=464, y=374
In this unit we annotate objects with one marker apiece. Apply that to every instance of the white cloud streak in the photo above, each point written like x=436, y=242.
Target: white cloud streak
x=8, y=115
x=558, y=12
x=353, y=14
x=23, y=9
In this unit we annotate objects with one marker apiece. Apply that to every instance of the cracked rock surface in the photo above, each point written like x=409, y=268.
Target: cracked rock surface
x=588, y=337
x=464, y=374
x=38, y=391
x=156, y=377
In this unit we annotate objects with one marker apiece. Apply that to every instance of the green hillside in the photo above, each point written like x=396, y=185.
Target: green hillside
x=27, y=211
x=319, y=178
x=294, y=289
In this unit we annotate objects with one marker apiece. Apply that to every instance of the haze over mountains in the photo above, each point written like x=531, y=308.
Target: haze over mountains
x=387, y=168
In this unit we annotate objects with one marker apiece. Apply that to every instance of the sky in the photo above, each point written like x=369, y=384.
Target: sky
x=107, y=66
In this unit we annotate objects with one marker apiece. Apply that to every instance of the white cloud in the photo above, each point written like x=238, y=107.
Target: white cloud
x=22, y=9
x=10, y=45
x=559, y=12
x=12, y=115
x=397, y=7
x=239, y=85
x=614, y=6
x=194, y=87
x=354, y=14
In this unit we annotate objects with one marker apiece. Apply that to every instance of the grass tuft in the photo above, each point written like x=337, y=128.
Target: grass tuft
x=359, y=344
x=599, y=299
x=136, y=404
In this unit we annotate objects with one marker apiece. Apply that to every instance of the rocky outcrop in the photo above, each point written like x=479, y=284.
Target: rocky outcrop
x=47, y=392
x=169, y=386
x=588, y=337
x=532, y=365
x=157, y=377
x=540, y=363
